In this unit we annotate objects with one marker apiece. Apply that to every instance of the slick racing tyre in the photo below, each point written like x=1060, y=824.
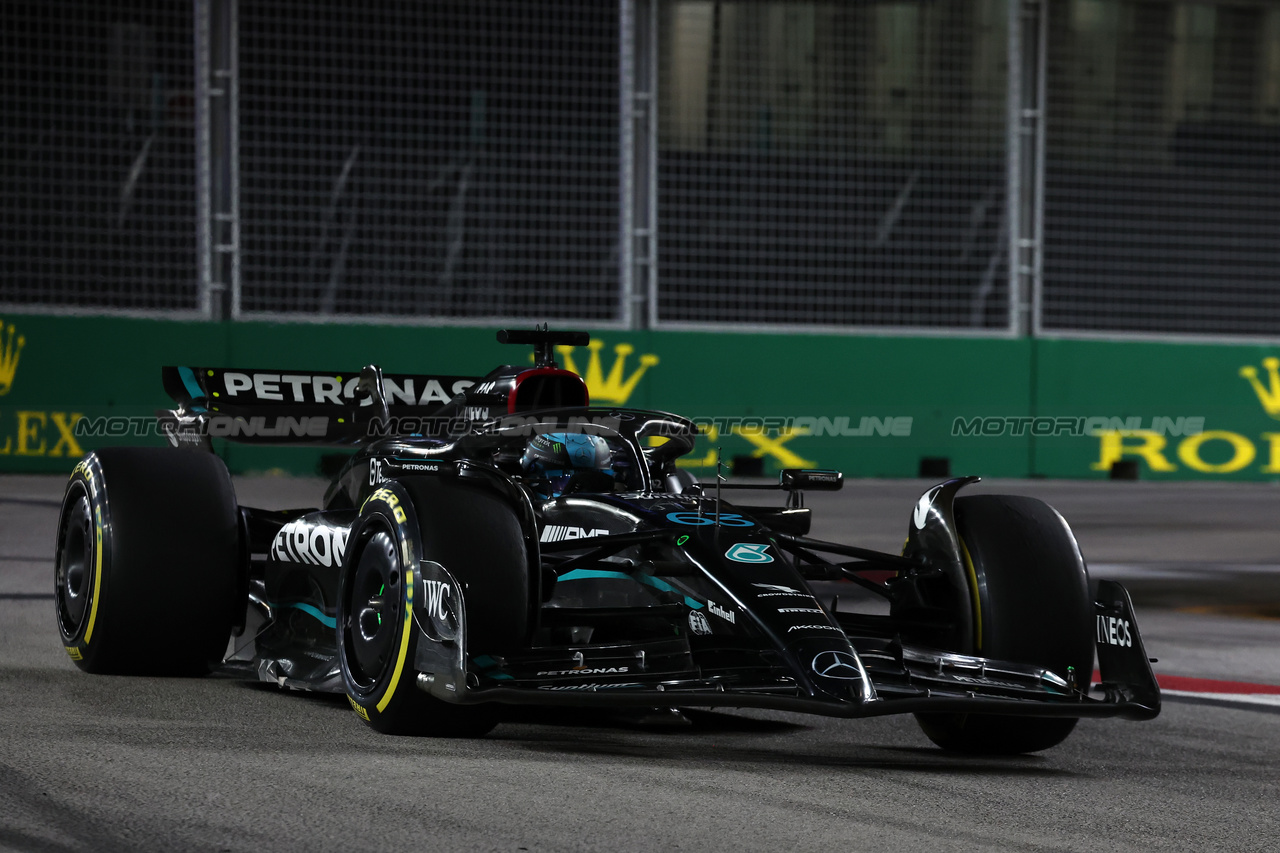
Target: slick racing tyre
x=478, y=539
x=1032, y=605
x=148, y=561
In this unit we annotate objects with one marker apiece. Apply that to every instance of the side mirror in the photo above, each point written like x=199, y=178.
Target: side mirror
x=813, y=479
x=370, y=385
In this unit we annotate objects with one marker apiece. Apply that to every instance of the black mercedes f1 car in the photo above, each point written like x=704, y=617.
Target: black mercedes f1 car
x=497, y=540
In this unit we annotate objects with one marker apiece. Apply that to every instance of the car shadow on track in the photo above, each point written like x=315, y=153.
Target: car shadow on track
x=697, y=736
x=683, y=751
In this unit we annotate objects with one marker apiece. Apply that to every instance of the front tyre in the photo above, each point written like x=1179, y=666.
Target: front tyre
x=377, y=636
x=1031, y=605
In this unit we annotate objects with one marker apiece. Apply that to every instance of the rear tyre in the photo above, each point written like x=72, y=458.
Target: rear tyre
x=477, y=537
x=148, y=562
x=1033, y=606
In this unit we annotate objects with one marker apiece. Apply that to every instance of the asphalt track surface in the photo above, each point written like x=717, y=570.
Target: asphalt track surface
x=113, y=763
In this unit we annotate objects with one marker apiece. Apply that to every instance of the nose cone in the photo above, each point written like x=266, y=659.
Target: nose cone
x=833, y=668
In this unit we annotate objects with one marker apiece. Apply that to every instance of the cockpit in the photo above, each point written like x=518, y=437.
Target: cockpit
x=592, y=450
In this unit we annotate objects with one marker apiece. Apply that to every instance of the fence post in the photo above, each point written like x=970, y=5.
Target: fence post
x=638, y=162
x=217, y=144
x=1028, y=41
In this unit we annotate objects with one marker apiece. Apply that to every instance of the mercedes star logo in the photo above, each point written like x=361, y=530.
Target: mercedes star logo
x=841, y=665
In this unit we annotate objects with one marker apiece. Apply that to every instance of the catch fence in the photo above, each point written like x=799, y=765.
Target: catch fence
x=956, y=167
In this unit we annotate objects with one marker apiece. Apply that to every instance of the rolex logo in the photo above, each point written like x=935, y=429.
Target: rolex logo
x=11, y=345
x=1268, y=396
x=615, y=388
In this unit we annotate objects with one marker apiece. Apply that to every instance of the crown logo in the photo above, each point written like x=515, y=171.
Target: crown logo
x=11, y=345
x=1269, y=397
x=612, y=388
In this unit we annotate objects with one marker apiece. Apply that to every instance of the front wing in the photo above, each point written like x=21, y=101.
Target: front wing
x=885, y=677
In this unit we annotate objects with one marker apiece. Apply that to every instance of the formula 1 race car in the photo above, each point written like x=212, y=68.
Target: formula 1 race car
x=499, y=541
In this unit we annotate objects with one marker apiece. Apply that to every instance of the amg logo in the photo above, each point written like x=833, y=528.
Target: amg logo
x=716, y=610
x=599, y=670
x=1114, y=632
x=313, y=544
x=436, y=593
x=559, y=533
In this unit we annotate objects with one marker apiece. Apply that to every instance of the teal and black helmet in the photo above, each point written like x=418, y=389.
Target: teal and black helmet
x=560, y=462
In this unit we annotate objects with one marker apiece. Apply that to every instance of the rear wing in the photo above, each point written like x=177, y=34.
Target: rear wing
x=296, y=406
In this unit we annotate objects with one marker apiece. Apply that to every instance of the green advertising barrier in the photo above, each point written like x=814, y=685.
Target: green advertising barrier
x=1178, y=411
x=56, y=370
x=870, y=406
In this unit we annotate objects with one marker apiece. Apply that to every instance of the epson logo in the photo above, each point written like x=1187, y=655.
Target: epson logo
x=716, y=610
x=312, y=544
x=599, y=670
x=559, y=533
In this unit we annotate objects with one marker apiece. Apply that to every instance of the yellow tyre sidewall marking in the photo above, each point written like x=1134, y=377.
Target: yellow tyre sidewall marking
x=97, y=574
x=404, y=641
x=973, y=588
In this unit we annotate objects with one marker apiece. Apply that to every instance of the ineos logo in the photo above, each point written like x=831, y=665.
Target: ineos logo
x=841, y=665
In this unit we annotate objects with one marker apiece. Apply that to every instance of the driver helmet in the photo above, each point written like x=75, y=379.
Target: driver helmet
x=555, y=459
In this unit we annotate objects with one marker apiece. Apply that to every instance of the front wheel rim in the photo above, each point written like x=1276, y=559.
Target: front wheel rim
x=375, y=606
